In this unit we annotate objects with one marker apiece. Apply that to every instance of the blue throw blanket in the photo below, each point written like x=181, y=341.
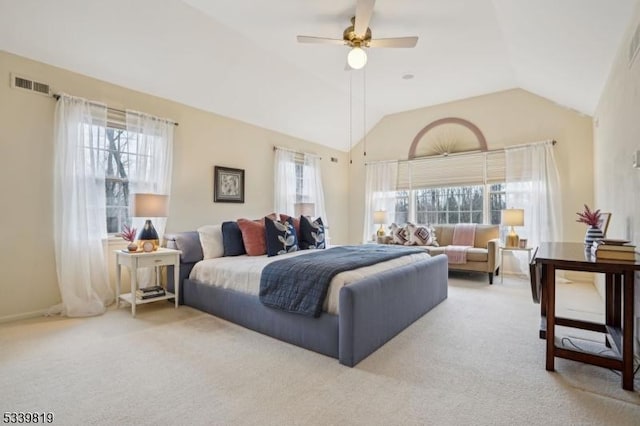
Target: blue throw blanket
x=300, y=284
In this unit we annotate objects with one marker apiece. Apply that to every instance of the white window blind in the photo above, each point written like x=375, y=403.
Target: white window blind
x=453, y=170
x=495, y=164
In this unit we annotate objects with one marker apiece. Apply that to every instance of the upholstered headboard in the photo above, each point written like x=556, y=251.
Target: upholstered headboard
x=189, y=243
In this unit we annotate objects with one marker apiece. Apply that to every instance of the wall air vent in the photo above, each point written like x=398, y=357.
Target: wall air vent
x=634, y=46
x=24, y=83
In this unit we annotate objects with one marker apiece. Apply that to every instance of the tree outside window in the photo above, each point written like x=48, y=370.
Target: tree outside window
x=120, y=160
x=460, y=204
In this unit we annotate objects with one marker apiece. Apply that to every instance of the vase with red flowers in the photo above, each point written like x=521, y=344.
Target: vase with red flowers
x=592, y=219
x=129, y=234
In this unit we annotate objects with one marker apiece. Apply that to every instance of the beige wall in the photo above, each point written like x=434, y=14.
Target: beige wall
x=505, y=118
x=616, y=138
x=28, y=280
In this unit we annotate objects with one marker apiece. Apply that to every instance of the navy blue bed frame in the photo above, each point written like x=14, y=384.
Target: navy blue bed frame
x=372, y=310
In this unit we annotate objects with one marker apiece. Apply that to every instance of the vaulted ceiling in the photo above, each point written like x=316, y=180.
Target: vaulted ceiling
x=241, y=59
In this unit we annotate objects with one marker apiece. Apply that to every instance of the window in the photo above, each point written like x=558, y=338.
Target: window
x=466, y=188
x=298, y=184
x=118, y=162
x=303, y=187
x=497, y=202
x=461, y=204
x=402, y=206
x=458, y=204
x=118, y=155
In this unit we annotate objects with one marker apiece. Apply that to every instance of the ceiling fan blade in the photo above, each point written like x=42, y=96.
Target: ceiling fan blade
x=364, y=10
x=320, y=40
x=394, y=42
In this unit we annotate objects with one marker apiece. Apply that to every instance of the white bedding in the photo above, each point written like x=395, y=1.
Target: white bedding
x=242, y=273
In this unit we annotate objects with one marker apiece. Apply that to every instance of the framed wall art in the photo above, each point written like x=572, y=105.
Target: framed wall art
x=228, y=185
x=603, y=223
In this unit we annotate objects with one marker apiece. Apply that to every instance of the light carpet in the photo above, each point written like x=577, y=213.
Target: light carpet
x=474, y=359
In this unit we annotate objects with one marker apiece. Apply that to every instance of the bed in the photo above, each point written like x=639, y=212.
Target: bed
x=365, y=314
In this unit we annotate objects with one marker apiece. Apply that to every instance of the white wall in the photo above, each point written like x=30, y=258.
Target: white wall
x=28, y=281
x=616, y=138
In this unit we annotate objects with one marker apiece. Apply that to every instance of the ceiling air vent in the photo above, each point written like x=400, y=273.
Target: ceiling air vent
x=634, y=46
x=24, y=83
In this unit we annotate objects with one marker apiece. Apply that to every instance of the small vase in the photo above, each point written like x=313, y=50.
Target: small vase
x=132, y=246
x=593, y=233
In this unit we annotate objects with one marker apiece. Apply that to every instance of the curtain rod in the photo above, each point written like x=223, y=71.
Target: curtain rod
x=282, y=148
x=552, y=141
x=119, y=111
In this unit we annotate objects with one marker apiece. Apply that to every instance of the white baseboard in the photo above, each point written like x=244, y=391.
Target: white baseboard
x=26, y=315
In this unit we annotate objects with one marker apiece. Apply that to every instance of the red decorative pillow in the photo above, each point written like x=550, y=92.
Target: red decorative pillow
x=253, y=235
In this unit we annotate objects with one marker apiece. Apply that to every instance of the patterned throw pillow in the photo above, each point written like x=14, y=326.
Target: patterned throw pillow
x=311, y=233
x=232, y=239
x=399, y=234
x=281, y=237
x=421, y=235
x=296, y=223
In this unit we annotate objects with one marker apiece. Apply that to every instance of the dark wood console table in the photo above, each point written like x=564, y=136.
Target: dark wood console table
x=619, y=301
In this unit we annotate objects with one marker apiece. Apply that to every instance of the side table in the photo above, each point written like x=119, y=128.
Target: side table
x=503, y=249
x=135, y=260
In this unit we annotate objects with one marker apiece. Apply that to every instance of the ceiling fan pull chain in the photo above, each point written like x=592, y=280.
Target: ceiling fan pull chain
x=364, y=110
x=350, y=115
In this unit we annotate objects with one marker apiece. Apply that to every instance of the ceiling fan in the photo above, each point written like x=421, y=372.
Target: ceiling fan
x=358, y=36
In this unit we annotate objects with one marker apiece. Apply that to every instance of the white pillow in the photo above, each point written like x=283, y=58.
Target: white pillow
x=211, y=241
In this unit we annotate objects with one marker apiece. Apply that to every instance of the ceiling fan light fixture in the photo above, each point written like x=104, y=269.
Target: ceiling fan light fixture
x=357, y=58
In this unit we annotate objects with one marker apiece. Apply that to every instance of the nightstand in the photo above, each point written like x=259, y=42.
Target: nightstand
x=503, y=249
x=135, y=260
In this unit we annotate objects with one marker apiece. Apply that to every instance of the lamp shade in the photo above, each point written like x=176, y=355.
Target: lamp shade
x=357, y=58
x=304, y=209
x=379, y=217
x=150, y=205
x=512, y=217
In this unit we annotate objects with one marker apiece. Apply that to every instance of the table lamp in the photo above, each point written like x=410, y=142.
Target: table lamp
x=380, y=218
x=149, y=205
x=512, y=217
x=304, y=209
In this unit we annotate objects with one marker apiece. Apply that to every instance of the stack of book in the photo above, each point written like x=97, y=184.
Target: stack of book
x=150, y=292
x=613, y=250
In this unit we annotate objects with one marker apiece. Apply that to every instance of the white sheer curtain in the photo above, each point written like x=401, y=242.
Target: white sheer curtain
x=79, y=211
x=533, y=184
x=285, y=194
x=298, y=179
x=380, y=194
x=312, y=188
x=151, y=140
